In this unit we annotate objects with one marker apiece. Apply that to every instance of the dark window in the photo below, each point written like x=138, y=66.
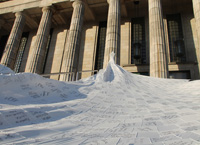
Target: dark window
x=179, y=75
x=3, y=42
x=47, y=49
x=138, y=46
x=100, y=46
x=176, y=41
x=21, y=51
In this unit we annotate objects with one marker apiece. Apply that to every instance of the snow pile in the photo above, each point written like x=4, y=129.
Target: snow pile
x=113, y=107
x=5, y=70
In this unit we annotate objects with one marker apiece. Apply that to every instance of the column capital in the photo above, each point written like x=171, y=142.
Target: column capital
x=77, y=2
x=46, y=8
x=49, y=8
x=20, y=13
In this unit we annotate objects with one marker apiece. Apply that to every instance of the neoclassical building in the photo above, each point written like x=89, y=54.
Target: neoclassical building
x=68, y=39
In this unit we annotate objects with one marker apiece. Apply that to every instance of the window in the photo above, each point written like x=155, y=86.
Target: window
x=21, y=51
x=179, y=75
x=138, y=46
x=176, y=41
x=100, y=46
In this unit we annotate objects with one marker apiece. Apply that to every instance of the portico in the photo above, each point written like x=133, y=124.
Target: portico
x=74, y=37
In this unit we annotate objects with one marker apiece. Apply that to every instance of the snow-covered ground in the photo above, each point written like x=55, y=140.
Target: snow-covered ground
x=113, y=107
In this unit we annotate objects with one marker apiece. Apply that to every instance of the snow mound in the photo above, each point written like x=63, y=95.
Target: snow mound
x=113, y=73
x=112, y=107
x=5, y=70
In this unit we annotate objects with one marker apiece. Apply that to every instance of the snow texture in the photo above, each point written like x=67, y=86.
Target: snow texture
x=112, y=107
x=5, y=70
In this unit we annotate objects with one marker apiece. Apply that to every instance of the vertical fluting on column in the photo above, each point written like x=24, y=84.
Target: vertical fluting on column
x=113, y=31
x=70, y=59
x=196, y=9
x=38, y=57
x=158, y=55
x=12, y=45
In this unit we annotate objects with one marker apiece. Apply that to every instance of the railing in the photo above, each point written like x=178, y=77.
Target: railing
x=70, y=76
x=80, y=72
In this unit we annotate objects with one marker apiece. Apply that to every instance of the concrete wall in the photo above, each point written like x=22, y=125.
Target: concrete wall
x=31, y=40
x=88, y=49
x=188, y=22
x=125, y=42
x=55, y=54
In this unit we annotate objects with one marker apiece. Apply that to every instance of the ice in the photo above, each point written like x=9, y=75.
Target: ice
x=112, y=107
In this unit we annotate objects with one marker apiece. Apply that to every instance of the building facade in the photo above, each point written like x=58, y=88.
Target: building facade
x=67, y=39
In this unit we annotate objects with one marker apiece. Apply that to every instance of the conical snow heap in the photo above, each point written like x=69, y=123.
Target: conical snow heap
x=113, y=72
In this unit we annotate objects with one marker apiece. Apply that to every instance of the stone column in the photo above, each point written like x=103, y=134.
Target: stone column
x=113, y=32
x=11, y=49
x=37, y=61
x=196, y=9
x=158, y=55
x=70, y=58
